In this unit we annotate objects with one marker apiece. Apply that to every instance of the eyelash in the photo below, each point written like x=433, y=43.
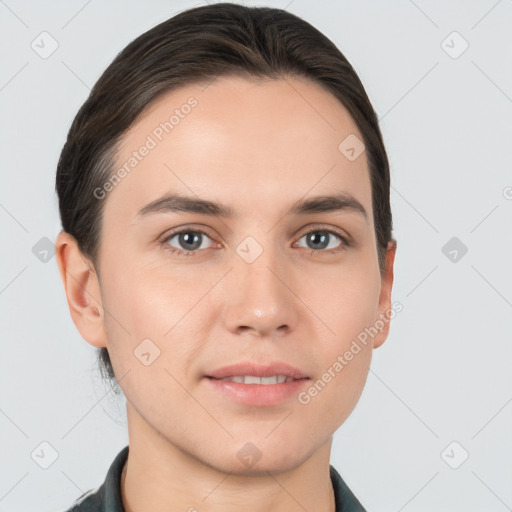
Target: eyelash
x=180, y=252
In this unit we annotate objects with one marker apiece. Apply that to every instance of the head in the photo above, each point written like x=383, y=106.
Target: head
x=253, y=118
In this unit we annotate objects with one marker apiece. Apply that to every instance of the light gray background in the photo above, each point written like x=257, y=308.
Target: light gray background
x=443, y=375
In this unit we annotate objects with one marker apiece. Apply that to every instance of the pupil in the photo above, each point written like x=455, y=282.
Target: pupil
x=314, y=238
x=187, y=239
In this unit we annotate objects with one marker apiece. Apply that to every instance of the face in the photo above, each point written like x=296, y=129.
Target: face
x=269, y=277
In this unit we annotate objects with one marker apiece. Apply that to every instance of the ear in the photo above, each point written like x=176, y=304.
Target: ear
x=385, y=295
x=82, y=289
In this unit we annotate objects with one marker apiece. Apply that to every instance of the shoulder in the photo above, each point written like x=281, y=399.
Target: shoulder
x=344, y=497
x=88, y=502
x=106, y=497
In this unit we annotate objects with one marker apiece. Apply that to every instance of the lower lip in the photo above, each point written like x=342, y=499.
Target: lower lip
x=258, y=394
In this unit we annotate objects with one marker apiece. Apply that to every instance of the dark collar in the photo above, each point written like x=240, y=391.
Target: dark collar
x=107, y=497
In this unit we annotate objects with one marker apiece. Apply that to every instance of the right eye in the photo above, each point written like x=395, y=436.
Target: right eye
x=189, y=239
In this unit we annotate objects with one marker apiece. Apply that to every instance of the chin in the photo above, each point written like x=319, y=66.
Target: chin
x=258, y=458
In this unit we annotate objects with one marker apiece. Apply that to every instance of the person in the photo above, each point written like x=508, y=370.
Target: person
x=227, y=247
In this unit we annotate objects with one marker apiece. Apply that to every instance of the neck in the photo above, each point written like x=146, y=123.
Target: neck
x=159, y=477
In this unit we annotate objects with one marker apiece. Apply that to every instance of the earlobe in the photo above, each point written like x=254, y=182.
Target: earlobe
x=82, y=289
x=385, y=295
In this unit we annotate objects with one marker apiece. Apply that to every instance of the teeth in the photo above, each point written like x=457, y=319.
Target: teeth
x=251, y=379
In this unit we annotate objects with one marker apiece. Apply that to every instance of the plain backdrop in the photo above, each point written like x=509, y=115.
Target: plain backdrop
x=432, y=430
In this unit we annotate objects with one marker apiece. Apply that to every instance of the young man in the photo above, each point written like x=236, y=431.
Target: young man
x=224, y=196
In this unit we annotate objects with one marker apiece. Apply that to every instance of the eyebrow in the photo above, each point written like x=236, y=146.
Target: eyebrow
x=320, y=204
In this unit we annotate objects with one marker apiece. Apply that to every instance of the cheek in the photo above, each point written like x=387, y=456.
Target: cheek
x=148, y=300
x=334, y=395
x=346, y=301
x=347, y=306
x=149, y=313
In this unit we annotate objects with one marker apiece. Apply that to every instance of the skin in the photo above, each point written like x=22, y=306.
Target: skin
x=256, y=147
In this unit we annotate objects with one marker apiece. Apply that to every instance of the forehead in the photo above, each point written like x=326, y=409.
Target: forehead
x=239, y=142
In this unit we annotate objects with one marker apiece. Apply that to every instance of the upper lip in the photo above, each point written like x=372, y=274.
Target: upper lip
x=251, y=368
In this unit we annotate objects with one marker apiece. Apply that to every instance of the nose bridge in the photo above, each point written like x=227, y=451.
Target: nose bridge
x=260, y=299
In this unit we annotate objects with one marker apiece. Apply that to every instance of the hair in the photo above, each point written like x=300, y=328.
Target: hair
x=194, y=46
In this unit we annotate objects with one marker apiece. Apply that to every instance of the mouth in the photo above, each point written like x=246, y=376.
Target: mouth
x=253, y=373
x=257, y=385
x=254, y=379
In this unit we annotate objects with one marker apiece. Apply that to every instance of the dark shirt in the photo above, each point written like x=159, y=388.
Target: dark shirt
x=107, y=497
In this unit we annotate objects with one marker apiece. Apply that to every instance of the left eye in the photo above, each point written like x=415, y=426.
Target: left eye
x=320, y=239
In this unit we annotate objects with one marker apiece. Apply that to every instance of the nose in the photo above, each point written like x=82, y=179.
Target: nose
x=259, y=297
